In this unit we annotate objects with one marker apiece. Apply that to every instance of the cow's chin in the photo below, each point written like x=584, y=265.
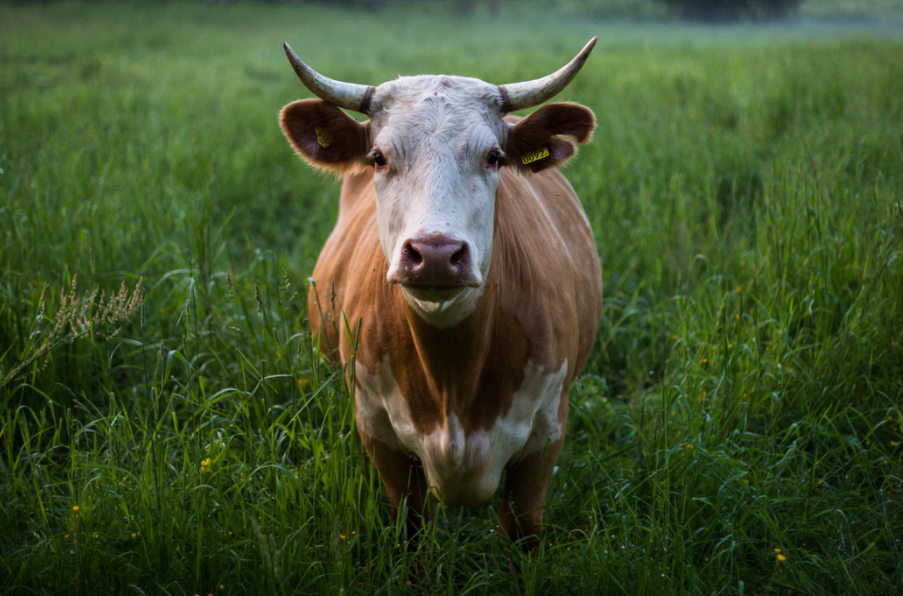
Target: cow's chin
x=442, y=306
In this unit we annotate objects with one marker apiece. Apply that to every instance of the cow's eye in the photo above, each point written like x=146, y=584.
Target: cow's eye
x=493, y=157
x=379, y=159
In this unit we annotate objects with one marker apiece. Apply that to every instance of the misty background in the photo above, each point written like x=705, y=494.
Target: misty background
x=698, y=10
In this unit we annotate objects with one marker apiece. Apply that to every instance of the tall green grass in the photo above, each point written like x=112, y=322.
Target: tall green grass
x=746, y=394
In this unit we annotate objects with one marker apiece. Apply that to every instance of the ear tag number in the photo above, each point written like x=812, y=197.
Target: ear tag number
x=323, y=137
x=535, y=156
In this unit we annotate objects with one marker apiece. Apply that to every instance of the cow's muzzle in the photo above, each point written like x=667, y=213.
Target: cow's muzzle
x=435, y=263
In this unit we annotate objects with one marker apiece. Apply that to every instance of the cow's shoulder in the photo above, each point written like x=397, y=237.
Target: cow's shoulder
x=350, y=264
x=548, y=264
x=357, y=191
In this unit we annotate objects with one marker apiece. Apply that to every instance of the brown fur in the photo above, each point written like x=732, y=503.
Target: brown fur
x=545, y=128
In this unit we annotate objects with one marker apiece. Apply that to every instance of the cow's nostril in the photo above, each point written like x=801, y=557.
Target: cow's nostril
x=411, y=254
x=459, y=256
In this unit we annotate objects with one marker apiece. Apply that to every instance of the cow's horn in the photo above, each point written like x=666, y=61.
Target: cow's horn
x=519, y=96
x=344, y=95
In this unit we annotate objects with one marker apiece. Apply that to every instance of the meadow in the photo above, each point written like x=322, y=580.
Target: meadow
x=736, y=430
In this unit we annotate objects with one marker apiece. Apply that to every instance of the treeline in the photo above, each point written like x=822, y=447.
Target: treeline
x=715, y=10
x=705, y=10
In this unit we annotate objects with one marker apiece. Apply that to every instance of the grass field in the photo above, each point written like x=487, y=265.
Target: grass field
x=736, y=431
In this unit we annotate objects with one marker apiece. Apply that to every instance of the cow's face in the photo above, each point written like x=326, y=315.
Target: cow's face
x=435, y=145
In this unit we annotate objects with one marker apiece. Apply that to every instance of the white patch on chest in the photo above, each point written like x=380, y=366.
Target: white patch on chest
x=463, y=469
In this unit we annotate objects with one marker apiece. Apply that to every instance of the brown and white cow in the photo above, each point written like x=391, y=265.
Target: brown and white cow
x=470, y=266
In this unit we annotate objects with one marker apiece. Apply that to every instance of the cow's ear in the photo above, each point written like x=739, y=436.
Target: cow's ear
x=325, y=136
x=548, y=137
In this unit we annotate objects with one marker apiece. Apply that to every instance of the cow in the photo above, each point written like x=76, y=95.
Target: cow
x=461, y=287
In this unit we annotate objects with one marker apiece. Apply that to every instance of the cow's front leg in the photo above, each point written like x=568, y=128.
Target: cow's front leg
x=404, y=478
x=520, y=516
x=526, y=485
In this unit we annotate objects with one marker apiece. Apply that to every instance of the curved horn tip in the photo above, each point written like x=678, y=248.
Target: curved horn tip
x=289, y=51
x=585, y=52
x=520, y=96
x=349, y=96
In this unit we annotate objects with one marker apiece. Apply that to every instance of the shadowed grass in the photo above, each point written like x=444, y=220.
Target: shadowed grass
x=746, y=395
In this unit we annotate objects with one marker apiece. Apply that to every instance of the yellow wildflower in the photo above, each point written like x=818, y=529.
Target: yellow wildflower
x=134, y=535
x=75, y=508
x=781, y=558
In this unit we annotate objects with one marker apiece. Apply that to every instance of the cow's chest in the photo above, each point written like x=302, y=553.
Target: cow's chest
x=463, y=466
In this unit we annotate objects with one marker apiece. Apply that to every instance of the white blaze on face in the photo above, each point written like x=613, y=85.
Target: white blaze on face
x=435, y=133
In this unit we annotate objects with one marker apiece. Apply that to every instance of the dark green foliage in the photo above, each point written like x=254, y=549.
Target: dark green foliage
x=725, y=10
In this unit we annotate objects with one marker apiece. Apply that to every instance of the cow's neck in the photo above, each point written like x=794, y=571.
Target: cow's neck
x=451, y=356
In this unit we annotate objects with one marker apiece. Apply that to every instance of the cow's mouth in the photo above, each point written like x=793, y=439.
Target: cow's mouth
x=432, y=292
x=432, y=288
x=436, y=293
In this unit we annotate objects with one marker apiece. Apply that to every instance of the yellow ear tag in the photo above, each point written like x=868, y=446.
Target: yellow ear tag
x=535, y=156
x=323, y=137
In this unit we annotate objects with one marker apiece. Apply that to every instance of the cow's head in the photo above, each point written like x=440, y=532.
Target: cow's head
x=435, y=144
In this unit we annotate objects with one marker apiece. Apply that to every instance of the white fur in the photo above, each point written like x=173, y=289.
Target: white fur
x=435, y=133
x=463, y=469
